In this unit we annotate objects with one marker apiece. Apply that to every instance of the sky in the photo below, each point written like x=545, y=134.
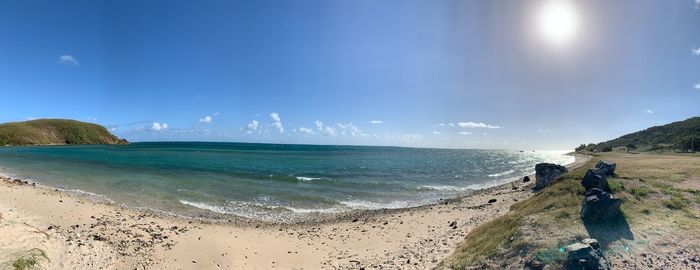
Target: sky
x=545, y=74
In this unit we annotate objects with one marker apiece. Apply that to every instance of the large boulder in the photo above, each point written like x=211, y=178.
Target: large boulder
x=547, y=173
x=607, y=168
x=594, y=178
x=585, y=255
x=599, y=206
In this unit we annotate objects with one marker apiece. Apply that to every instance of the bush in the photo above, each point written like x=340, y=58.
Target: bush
x=606, y=148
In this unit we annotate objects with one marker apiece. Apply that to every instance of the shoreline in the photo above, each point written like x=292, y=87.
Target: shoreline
x=310, y=218
x=161, y=246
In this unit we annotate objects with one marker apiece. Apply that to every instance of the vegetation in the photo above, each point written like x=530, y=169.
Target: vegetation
x=55, y=131
x=656, y=190
x=683, y=136
x=31, y=260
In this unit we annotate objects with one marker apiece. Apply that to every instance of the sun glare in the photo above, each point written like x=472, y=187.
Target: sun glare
x=558, y=21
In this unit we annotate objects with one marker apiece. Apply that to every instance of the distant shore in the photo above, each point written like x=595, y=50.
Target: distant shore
x=76, y=231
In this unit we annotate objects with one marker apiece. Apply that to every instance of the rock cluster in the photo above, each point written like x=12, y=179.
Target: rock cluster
x=585, y=255
x=595, y=178
x=599, y=204
x=606, y=167
x=547, y=173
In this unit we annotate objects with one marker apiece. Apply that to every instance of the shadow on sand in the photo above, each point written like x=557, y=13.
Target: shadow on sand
x=610, y=231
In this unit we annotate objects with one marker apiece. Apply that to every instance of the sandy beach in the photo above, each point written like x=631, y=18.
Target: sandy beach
x=71, y=231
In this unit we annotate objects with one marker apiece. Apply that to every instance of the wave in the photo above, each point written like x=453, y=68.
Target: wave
x=205, y=206
x=246, y=208
x=304, y=178
x=369, y=205
x=448, y=188
x=502, y=173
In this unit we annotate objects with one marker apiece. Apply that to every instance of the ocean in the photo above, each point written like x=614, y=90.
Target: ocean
x=270, y=182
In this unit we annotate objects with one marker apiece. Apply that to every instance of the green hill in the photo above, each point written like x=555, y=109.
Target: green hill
x=683, y=135
x=55, y=131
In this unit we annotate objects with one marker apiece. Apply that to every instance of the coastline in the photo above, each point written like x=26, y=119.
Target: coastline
x=78, y=231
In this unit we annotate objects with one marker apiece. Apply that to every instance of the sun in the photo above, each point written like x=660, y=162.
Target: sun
x=558, y=21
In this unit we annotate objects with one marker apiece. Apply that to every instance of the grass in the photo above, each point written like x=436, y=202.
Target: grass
x=677, y=202
x=504, y=235
x=641, y=192
x=54, y=131
x=616, y=186
x=650, y=185
x=31, y=260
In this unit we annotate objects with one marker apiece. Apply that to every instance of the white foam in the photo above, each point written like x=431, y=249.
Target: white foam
x=201, y=205
x=304, y=178
x=369, y=205
x=502, y=173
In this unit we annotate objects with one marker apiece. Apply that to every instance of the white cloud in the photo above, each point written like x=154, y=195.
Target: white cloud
x=441, y=124
x=376, y=122
x=91, y=119
x=68, y=60
x=206, y=119
x=451, y=124
x=697, y=86
x=436, y=132
x=306, y=130
x=350, y=129
x=156, y=126
x=252, y=126
x=476, y=125
x=696, y=51
x=326, y=131
x=277, y=121
x=275, y=117
x=465, y=133
x=484, y=134
x=649, y=111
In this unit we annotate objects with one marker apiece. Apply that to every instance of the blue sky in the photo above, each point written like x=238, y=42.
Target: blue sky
x=459, y=74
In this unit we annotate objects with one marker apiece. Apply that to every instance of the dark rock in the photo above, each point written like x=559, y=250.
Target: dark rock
x=355, y=220
x=594, y=178
x=585, y=255
x=599, y=206
x=492, y=200
x=606, y=167
x=547, y=173
x=526, y=179
x=591, y=242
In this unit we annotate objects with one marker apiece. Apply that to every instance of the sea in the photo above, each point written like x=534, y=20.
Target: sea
x=268, y=182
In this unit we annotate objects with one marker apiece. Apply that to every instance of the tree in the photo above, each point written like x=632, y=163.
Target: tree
x=688, y=143
x=630, y=146
x=580, y=147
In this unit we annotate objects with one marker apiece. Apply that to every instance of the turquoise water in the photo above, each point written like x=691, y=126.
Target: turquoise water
x=268, y=181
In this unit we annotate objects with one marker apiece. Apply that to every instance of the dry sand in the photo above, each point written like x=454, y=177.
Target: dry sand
x=69, y=231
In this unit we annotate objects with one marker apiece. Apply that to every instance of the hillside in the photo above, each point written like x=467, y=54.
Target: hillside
x=658, y=228
x=55, y=131
x=683, y=135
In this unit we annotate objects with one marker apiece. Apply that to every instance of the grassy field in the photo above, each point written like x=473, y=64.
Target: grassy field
x=661, y=194
x=54, y=131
